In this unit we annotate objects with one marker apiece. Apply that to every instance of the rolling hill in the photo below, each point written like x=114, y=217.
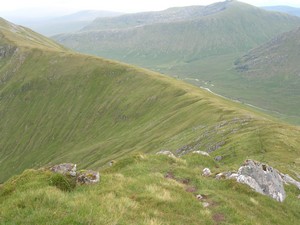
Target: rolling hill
x=221, y=29
x=201, y=49
x=58, y=106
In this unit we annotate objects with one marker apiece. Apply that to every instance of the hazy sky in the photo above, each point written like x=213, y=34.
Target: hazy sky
x=36, y=7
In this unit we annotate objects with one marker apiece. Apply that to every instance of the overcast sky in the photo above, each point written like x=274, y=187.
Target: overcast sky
x=39, y=7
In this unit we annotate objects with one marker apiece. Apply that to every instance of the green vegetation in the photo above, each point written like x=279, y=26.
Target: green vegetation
x=62, y=182
x=144, y=189
x=58, y=106
x=201, y=49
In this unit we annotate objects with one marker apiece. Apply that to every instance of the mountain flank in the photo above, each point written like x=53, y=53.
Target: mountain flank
x=59, y=107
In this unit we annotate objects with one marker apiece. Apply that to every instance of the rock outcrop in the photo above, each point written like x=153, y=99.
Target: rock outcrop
x=262, y=178
x=88, y=177
x=65, y=169
x=288, y=180
x=201, y=153
x=164, y=152
x=82, y=177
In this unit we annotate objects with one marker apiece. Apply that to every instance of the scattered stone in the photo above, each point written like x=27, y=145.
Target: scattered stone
x=262, y=178
x=205, y=204
x=206, y=172
x=288, y=180
x=201, y=153
x=82, y=177
x=65, y=169
x=298, y=196
x=226, y=175
x=199, y=197
x=88, y=177
x=218, y=158
x=168, y=153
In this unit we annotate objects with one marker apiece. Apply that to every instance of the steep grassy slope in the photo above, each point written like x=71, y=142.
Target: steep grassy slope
x=144, y=189
x=57, y=106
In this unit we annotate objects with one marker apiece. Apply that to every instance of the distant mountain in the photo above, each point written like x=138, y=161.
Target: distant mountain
x=139, y=19
x=201, y=48
x=64, y=24
x=285, y=9
x=220, y=29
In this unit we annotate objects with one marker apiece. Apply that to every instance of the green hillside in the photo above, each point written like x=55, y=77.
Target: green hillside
x=201, y=49
x=60, y=106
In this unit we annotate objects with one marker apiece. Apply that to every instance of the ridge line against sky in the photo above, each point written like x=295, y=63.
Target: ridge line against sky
x=37, y=8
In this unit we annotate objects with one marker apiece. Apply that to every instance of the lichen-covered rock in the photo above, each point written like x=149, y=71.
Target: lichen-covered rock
x=164, y=152
x=88, y=177
x=201, y=153
x=262, y=178
x=206, y=172
x=65, y=169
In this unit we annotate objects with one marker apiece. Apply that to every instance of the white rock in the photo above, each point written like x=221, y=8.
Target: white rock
x=199, y=197
x=205, y=204
x=168, y=153
x=289, y=180
x=201, y=153
x=206, y=172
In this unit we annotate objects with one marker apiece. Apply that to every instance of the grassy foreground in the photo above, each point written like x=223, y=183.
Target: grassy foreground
x=144, y=189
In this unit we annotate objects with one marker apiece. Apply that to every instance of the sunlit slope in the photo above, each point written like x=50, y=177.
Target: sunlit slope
x=59, y=106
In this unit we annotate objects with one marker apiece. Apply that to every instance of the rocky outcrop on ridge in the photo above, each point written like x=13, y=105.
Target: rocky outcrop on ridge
x=262, y=178
x=82, y=177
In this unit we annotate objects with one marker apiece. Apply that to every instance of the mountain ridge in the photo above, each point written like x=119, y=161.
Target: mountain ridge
x=58, y=105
